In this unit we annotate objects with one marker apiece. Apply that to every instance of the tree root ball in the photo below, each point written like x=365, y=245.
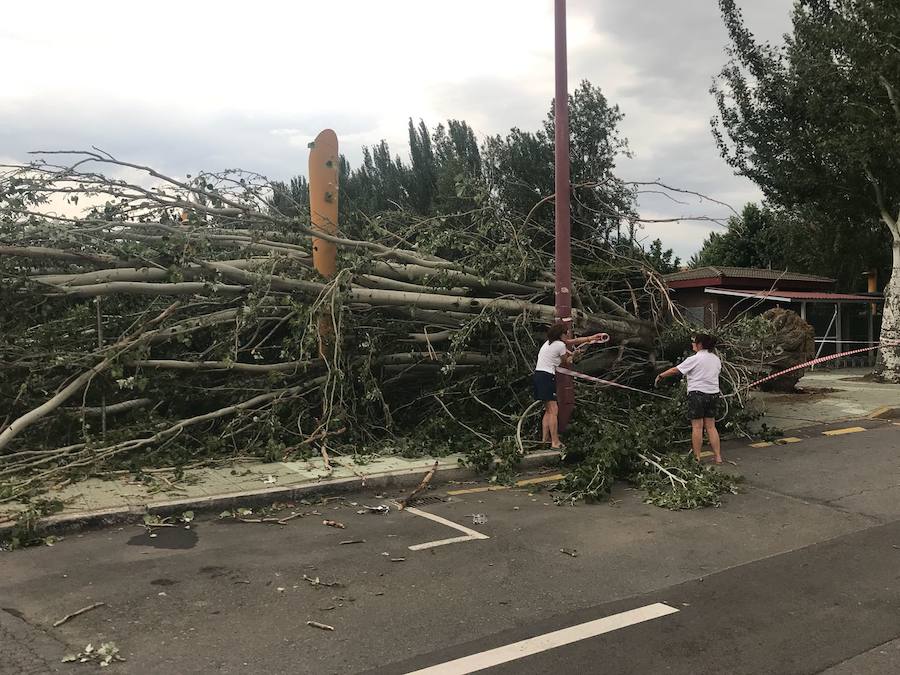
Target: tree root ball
x=792, y=342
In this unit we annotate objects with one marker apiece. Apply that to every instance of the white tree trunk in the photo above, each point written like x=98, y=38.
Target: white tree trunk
x=888, y=367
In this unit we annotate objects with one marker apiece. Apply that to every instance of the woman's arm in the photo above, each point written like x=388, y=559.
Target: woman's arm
x=596, y=337
x=671, y=372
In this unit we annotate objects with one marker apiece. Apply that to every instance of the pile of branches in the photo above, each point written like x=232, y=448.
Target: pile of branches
x=157, y=321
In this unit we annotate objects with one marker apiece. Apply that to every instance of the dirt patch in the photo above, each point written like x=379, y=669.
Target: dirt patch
x=868, y=377
x=806, y=394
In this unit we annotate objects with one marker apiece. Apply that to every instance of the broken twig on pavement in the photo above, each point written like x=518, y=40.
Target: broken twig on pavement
x=81, y=611
x=316, y=624
x=403, y=503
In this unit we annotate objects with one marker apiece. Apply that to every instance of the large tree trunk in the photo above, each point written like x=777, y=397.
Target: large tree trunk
x=888, y=367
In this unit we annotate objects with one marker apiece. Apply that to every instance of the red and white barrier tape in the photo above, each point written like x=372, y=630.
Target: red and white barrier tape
x=598, y=380
x=813, y=362
x=823, y=359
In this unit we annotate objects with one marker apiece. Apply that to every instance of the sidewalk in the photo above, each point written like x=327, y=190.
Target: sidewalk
x=828, y=397
x=97, y=501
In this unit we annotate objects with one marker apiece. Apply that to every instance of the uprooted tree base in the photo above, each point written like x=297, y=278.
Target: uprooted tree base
x=178, y=322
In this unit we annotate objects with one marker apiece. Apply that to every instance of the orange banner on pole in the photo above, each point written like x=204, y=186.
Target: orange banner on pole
x=323, y=199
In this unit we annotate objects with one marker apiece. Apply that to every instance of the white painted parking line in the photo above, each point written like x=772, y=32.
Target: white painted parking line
x=541, y=643
x=443, y=542
x=471, y=535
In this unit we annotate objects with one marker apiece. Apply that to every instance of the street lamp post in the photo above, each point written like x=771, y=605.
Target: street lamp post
x=565, y=388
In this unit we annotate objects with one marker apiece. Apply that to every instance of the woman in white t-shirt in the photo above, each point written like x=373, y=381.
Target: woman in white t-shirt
x=555, y=352
x=702, y=372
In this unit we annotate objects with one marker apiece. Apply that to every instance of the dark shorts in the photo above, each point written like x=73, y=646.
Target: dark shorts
x=702, y=405
x=544, y=386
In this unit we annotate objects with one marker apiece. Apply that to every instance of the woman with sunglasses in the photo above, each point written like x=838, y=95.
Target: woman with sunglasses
x=702, y=372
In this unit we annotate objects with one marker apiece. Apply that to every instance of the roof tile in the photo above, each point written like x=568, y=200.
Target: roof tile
x=744, y=273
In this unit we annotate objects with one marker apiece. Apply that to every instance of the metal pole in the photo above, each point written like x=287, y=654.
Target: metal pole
x=825, y=337
x=565, y=389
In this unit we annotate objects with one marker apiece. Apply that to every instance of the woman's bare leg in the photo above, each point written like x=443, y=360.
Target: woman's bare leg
x=697, y=437
x=545, y=423
x=553, y=423
x=709, y=423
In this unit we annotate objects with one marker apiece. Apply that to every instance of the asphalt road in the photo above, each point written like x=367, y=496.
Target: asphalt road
x=798, y=574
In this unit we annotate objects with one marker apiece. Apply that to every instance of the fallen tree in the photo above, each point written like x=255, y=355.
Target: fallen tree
x=433, y=325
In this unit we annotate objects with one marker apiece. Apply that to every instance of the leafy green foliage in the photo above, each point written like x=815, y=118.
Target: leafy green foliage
x=609, y=438
x=27, y=528
x=483, y=194
x=814, y=123
x=770, y=237
x=703, y=485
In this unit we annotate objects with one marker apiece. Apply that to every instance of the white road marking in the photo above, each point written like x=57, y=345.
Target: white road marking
x=471, y=535
x=444, y=542
x=541, y=643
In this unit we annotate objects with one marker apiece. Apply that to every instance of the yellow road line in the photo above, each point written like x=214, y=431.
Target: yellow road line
x=780, y=441
x=540, y=479
x=519, y=483
x=470, y=491
x=841, y=432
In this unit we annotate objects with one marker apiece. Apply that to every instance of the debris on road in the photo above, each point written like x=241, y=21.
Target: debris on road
x=322, y=626
x=103, y=655
x=403, y=503
x=381, y=509
x=334, y=523
x=242, y=515
x=569, y=551
x=398, y=559
x=275, y=521
x=268, y=480
x=353, y=541
x=479, y=519
x=77, y=613
x=319, y=582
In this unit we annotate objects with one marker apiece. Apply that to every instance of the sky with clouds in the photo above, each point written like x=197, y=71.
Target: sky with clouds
x=185, y=86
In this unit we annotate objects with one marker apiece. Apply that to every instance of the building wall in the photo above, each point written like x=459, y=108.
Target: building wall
x=699, y=308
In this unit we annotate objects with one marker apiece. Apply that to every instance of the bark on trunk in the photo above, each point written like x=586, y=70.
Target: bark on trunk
x=888, y=366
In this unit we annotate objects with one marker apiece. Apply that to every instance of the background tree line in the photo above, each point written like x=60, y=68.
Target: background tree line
x=450, y=175
x=770, y=237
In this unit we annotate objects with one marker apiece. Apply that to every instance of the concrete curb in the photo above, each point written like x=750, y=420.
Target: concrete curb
x=71, y=522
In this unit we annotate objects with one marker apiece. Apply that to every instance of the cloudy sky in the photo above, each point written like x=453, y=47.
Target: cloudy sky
x=187, y=85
